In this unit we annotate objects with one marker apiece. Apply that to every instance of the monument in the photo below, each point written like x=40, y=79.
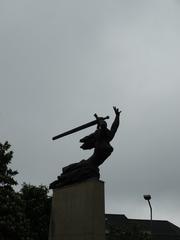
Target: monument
x=78, y=194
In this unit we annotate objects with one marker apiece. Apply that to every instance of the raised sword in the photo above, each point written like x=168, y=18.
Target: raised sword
x=77, y=129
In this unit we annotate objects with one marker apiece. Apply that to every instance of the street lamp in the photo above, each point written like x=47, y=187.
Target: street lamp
x=148, y=198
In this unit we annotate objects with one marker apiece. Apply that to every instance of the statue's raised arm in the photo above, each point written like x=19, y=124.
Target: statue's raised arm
x=115, y=124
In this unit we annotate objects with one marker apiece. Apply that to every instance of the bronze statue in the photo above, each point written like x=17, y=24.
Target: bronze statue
x=99, y=141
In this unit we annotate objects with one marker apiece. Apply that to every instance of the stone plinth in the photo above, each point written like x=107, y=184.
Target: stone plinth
x=78, y=212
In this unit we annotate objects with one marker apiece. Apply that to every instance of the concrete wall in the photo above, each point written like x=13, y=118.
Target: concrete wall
x=78, y=212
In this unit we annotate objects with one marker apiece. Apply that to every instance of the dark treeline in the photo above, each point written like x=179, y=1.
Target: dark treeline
x=24, y=215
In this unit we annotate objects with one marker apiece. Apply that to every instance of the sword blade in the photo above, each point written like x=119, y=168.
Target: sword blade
x=77, y=129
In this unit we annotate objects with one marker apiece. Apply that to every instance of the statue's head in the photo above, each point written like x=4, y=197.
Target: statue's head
x=101, y=124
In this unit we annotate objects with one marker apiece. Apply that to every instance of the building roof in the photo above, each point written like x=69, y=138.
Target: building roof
x=116, y=219
x=161, y=229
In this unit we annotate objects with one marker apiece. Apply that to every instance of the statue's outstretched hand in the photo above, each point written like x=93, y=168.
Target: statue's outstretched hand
x=116, y=110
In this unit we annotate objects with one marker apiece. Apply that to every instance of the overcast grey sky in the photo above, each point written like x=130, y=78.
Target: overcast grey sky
x=62, y=61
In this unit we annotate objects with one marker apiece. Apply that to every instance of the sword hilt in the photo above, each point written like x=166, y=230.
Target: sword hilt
x=103, y=118
x=107, y=117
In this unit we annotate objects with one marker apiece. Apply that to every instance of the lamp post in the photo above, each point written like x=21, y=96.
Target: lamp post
x=148, y=198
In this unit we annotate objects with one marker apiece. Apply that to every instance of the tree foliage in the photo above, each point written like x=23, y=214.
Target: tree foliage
x=6, y=173
x=12, y=220
x=24, y=215
x=37, y=210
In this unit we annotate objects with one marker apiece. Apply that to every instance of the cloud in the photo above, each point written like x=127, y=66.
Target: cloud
x=63, y=61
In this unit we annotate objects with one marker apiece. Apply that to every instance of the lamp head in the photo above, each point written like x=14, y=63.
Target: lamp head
x=147, y=197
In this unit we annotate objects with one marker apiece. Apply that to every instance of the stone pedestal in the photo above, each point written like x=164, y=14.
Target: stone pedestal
x=78, y=212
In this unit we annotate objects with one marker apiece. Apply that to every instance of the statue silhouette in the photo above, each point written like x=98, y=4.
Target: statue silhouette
x=89, y=168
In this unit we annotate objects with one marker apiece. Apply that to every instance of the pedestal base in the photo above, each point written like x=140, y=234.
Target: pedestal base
x=78, y=212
